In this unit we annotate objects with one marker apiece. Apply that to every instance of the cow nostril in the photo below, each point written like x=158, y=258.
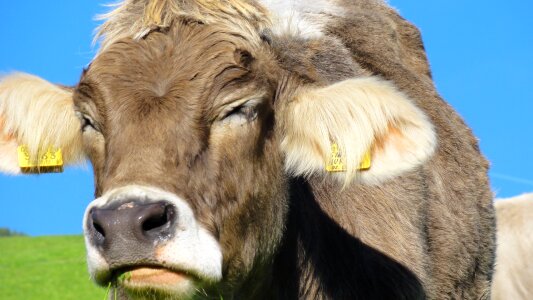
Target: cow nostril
x=99, y=229
x=143, y=222
x=159, y=218
x=98, y=224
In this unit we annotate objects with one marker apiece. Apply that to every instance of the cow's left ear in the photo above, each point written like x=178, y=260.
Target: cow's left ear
x=38, y=115
x=342, y=123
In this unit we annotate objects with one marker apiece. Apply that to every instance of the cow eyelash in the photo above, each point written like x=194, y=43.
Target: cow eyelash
x=249, y=112
x=240, y=114
x=86, y=122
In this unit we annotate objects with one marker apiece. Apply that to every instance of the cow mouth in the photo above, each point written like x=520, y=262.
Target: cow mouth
x=151, y=275
x=155, y=279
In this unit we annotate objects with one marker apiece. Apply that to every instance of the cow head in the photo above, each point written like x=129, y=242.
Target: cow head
x=194, y=131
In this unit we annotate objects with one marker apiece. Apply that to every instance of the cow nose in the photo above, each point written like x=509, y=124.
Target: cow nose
x=132, y=221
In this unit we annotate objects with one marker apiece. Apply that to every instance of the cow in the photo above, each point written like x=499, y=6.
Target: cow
x=513, y=276
x=265, y=150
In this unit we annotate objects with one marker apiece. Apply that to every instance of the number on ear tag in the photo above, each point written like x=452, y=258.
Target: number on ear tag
x=336, y=161
x=49, y=162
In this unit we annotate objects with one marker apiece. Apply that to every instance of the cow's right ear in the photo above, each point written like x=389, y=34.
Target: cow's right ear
x=38, y=115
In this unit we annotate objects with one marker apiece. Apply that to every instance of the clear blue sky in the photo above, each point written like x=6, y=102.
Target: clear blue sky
x=481, y=56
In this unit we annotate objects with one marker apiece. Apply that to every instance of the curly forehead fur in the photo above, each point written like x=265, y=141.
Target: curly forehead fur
x=133, y=18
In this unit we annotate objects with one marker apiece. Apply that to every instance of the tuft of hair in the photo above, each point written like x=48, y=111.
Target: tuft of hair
x=136, y=18
x=302, y=18
x=38, y=114
x=359, y=115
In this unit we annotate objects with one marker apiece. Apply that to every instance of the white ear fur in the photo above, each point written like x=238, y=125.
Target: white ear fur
x=38, y=114
x=8, y=155
x=359, y=115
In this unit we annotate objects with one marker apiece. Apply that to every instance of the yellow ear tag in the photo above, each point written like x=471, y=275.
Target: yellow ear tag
x=367, y=162
x=50, y=162
x=336, y=162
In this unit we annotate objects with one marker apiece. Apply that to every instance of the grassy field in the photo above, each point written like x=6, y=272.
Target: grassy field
x=45, y=268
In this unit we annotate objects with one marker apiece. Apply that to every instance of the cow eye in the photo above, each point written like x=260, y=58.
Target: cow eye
x=241, y=114
x=247, y=112
x=86, y=122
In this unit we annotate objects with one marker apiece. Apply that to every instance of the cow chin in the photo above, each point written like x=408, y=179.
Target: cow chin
x=148, y=241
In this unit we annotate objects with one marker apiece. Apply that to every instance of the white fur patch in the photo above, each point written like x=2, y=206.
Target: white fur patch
x=8, y=156
x=513, y=276
x=192, y=247
x=301, y=18
x=359, y=115
x=97, y=264
x=38, y=114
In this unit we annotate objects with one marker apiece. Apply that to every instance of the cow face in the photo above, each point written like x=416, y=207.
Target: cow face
x=194, y=132
x=180, y=129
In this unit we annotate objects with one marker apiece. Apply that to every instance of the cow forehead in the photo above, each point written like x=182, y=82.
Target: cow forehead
x=184, y=69
x=186, y=52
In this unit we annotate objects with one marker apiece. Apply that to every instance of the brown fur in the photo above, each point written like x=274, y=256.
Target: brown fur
x=451, y=195
x=157, y=92
x=135, y=19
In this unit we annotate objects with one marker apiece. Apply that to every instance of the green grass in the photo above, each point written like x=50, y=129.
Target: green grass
x=45, y=268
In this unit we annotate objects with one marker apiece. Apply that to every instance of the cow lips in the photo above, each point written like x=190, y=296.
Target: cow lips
x=151, y=276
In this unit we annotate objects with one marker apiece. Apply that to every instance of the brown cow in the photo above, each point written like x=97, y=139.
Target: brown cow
x=513, y=276
x=228, y=141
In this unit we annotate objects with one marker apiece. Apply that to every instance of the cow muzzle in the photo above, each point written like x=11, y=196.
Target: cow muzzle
x=134, y=221
x=152, y=237
x=128, y=231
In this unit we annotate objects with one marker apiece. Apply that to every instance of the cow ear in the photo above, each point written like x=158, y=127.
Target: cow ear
x=38, y=115
x=349, y=120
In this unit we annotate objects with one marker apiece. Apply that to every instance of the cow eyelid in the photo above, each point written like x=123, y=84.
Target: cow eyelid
x=86, y=121
x=246, y=110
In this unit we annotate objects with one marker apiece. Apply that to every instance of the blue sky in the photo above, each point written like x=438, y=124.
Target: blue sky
x=481, y=58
